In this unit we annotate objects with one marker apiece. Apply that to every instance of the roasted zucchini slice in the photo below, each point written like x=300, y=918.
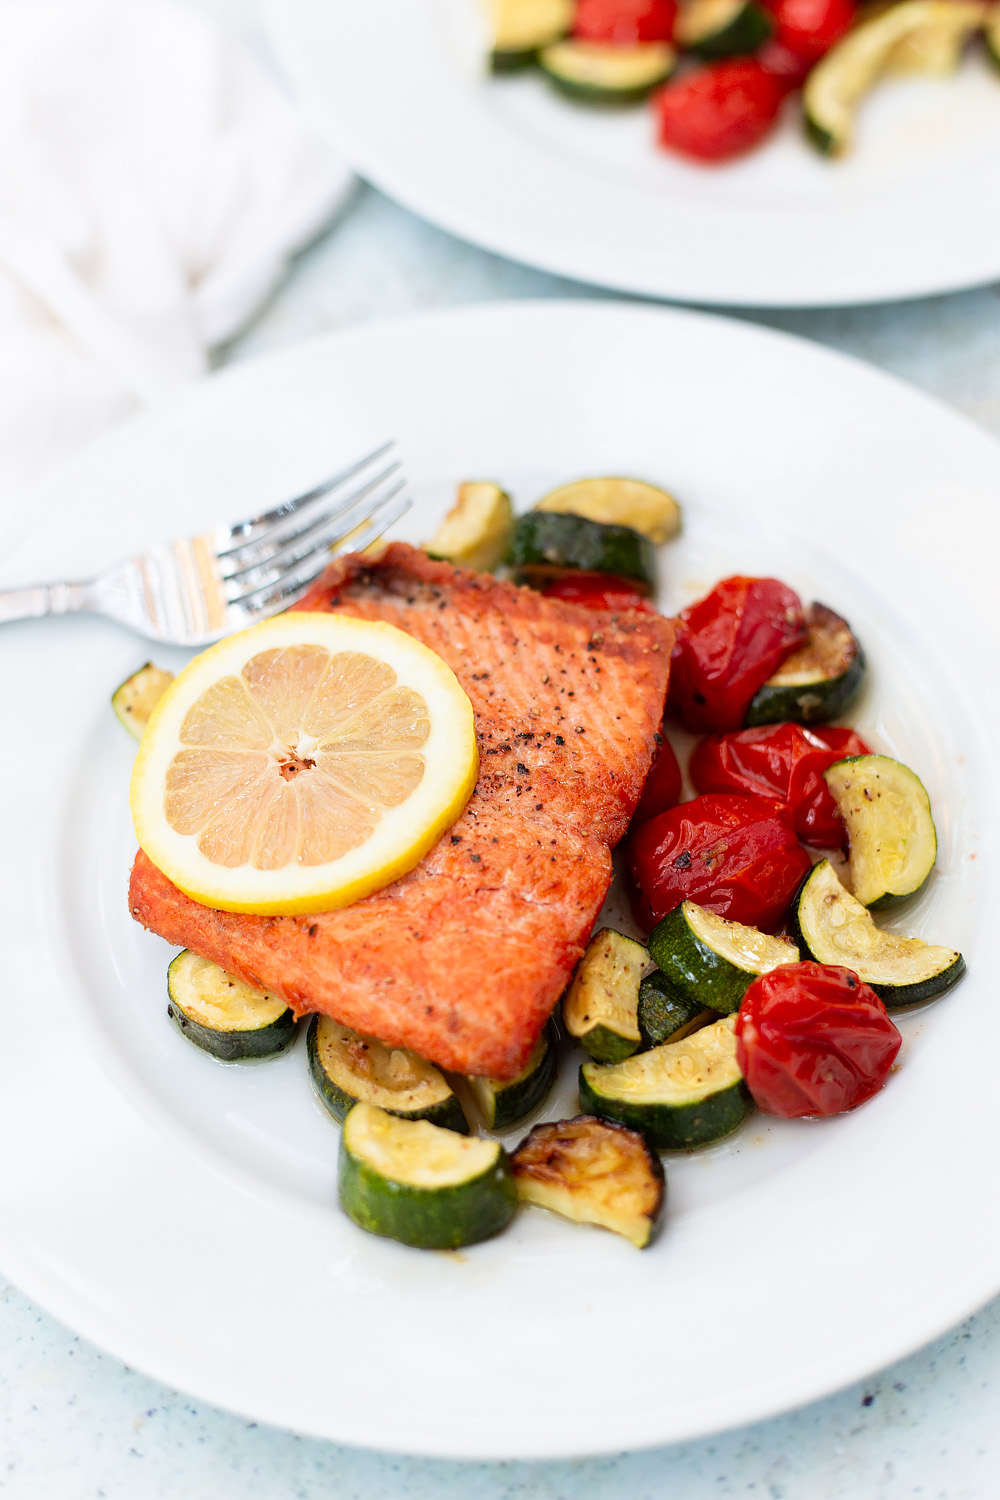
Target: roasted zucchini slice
x=819, y=681
x=890, y=831
x=412, y=1181
x=679, y=1095
x=348, y=1067
x=476, y=531
x=548, y=545
x=991, y=31
x=222, y=1015
x=618, y=502
x=711, y=961
x=521, y=27
x=593, y=1172
x=834, y=928
x=138, y=695
x=501, y=1103
x=840, y=80
x=600, y=1008
x=664, y=1015
x=592, y=73
x=722, y=28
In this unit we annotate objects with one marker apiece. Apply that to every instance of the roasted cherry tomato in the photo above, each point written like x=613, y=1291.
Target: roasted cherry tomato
x=597, y=591
x=719, y=111
x=737, y=856
x=728, y=645
x=784, y=763
x=786, y=67
x=808, y=28
x=663, y=784
x=813, y=1039
x=622, y=23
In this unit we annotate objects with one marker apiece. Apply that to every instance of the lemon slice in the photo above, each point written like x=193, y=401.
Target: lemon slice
x=301, y=764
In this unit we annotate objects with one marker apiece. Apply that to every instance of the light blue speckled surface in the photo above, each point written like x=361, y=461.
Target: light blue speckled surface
x=75, y=1423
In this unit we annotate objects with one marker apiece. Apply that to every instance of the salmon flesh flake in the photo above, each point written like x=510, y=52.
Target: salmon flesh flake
x=463, y=959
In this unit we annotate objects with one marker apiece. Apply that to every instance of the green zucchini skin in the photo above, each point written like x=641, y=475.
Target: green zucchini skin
x=862, y=816
x=749, y=27
x=673, y=1128
x=504, y=1104
x=666, y=1016
x=697, y=972
x=825, y=697
x=516, y=61
x=237, y=1045
x=447, y=1113
x=546, y=543
x=806, y=924
x=561, y=63
x=442, y=1218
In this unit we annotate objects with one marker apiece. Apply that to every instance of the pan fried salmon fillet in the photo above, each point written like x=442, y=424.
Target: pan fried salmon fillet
x=463, y=959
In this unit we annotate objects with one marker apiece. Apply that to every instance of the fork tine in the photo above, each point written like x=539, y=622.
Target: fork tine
x=230, y=538
x=295, y=583
x=271, y=547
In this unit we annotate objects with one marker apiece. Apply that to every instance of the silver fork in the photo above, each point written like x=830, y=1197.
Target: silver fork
x=197, y=589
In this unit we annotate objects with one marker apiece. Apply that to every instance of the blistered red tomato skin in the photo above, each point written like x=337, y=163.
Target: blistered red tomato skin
x=737, y=856
x=728, y=644
x=623, y=23
x=813, y=1039
x=663, y=784
x=597, y=591
x=720, y=111
x=809, y=28
x=784, y=763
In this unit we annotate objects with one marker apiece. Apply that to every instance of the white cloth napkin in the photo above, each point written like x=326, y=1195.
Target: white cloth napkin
x=153, y=182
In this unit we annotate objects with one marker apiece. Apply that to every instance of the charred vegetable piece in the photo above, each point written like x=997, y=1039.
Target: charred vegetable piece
x=138, y=695
x=545, y=545
x=890, y=831
x=819, y=681
x=412, y=1181
x=222, y=1015
x=618, y=502
x=594, y=73
x=722, y=28
x=521, y=27
x=834, y=928
x=347, y=1067
x=593, y=1172
x=600, y=1007
x=476, y=531
x=679, y=1095
x=711, y=961
x=502, y=1103
x=664, y=1015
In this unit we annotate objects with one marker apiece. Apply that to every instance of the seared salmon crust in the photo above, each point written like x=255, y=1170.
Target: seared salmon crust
x=463, y=959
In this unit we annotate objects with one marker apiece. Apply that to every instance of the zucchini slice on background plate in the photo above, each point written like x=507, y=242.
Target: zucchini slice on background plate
x=222, y=1015
x=521, y=27
x=890, y=831
x=548, y=545
x=476, y=531
x=501, y=1103
x=664, y=1015
x=347, y=1067
x=679, y=1095
x=592, y=73
x=617, y=501
x=991, y=32
x=138, y=695
x=834, y=928
x=600, y=1008
x=593, y=1172
x=711, y=961
x=840, y=80
x=411, y=1181
x=722, y=28
x=819, y=681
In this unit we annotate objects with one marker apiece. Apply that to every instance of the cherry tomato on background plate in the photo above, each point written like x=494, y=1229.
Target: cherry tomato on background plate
x=736, y=856
x=728, y=644
x=813, y=1039
x=809, y=28
x=784, y=763
x=720, y=111
x=597, y=591
x=790, y=70
x=663, y=784
x=622, y=23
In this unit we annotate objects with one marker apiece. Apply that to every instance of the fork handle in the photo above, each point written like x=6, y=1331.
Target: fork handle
x=44, y=599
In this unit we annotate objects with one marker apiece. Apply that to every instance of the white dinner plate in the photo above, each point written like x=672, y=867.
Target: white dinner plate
x=509, y=165
x=182, y=1213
